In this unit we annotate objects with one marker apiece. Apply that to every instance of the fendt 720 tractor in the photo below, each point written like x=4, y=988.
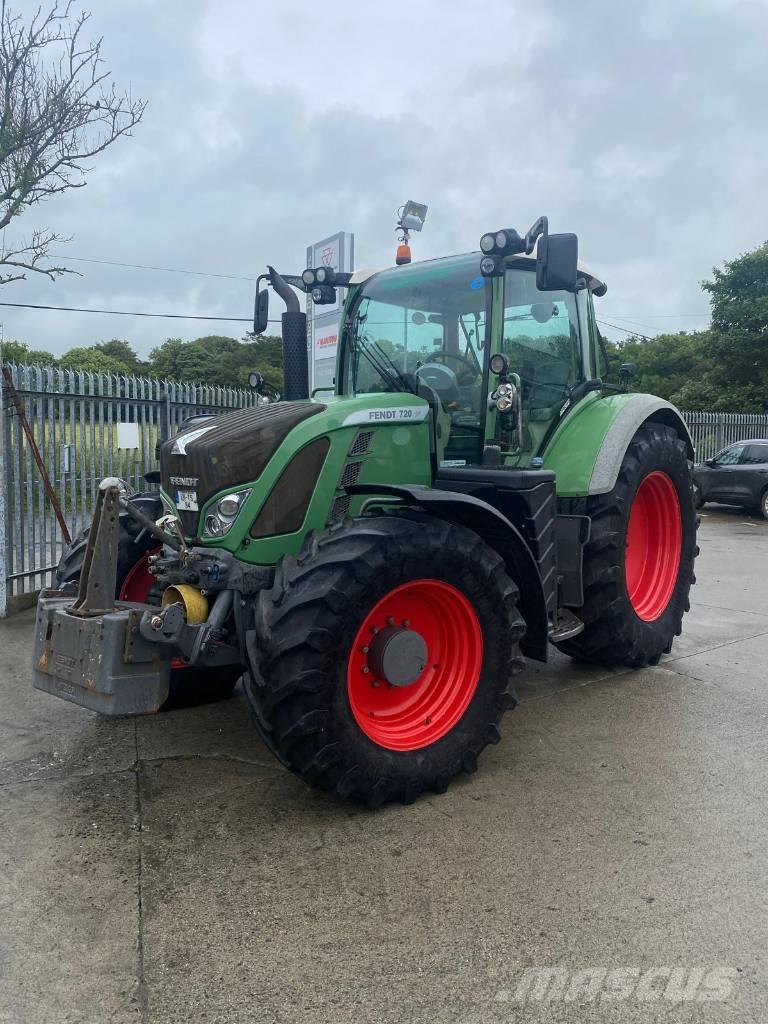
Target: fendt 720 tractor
x=375, y=560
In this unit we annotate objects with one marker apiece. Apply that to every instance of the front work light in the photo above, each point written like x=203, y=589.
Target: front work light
x=413, y=216
x=492, y=266
x=504, y=242
x=499, y=363
x=323, y=294
x=325, y=275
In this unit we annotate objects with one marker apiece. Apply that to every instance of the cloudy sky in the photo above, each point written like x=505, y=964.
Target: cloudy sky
x=640, y=126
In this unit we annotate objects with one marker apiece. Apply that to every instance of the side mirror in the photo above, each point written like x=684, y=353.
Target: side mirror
x=557, y=263
x=261, y=311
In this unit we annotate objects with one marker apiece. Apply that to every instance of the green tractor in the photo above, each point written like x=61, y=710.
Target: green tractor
x=376, y=560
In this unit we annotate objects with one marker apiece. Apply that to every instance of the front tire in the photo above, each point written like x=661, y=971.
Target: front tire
x=638, y=564
x=381, y=660
x=764, y=504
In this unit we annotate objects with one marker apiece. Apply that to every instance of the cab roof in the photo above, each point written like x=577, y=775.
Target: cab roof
x=595, y=283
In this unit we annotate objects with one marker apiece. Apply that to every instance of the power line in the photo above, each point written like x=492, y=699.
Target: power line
x=652, y=316
x=616, y=327
x=125, y=312
x=166, y=270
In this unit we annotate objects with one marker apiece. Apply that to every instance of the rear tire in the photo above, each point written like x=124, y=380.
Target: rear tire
x=188, y=686
x=310, y=686
x=764, y=504
x=638, y=564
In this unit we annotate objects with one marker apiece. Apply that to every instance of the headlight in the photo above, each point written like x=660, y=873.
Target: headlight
x=487, y=242
x=229, y=506
x=222, y=516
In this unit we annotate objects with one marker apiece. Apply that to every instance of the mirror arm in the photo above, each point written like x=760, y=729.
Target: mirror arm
x=539, y=227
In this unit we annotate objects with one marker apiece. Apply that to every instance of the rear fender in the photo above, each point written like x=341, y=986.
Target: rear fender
x=587, y=449
x=498, y=532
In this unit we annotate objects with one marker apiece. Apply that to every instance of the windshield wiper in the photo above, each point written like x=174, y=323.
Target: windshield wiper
x=404, y=385
x=361, y=349
x=393, y=380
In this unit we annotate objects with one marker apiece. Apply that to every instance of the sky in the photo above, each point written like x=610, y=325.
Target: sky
x=639, y=126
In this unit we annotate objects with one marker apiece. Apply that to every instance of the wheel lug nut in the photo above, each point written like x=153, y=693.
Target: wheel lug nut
x=406, y=623
x=375, y=682
x=365, y=670
x=364, y=650
x=390, y=621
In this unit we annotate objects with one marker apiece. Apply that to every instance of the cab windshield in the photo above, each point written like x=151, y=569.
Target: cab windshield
x=423, y=329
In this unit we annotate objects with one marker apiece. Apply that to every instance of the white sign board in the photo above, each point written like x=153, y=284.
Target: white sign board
x=336, y=251
x=127, y=435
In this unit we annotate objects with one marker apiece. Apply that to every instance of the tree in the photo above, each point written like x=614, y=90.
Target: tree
x=737, y=344
x=123, y=353
x=59, y=110
x=93, y=360
x=20, y=353
x=219, y=360
x=666, y=363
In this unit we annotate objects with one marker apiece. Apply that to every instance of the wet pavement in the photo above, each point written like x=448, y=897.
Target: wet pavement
x=167, y=869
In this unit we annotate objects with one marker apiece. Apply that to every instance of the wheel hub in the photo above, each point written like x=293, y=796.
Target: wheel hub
x=414, y=664
x=397, y=655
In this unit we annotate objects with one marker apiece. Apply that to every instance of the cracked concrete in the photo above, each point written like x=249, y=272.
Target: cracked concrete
x=168, y=869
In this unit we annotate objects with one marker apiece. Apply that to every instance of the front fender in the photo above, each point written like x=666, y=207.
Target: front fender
x=587, y=449
x=498, y=532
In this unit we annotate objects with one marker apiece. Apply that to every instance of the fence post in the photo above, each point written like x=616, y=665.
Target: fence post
x=4, y=531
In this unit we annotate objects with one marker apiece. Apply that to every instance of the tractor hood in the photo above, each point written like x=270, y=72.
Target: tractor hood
x=226, y=451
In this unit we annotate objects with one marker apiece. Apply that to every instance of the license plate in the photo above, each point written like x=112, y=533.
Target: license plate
x=186, y=501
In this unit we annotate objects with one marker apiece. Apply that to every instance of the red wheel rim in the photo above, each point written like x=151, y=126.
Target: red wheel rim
x=654, y=536
x=137, y=583
x=408, y=717
x=136, y=587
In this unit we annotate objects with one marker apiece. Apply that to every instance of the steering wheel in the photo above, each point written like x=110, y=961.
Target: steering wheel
x=471, y=367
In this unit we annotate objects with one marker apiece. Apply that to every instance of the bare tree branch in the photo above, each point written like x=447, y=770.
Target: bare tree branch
x=59, y=111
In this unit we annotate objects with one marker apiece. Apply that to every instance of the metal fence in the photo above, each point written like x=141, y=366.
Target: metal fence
x=73, y=418
x=713, y=431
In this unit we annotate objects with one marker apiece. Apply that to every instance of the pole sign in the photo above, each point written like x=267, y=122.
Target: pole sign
x=338, y=252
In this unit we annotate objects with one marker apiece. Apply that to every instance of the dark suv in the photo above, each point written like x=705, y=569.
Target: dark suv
x=738, y=475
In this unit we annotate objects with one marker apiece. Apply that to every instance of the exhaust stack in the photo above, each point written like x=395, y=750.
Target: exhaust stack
x=295, y=356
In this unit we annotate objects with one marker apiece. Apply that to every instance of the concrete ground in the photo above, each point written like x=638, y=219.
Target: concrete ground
x=168, y=870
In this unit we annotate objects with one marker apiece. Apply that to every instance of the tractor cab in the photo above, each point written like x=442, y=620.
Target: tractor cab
x=432, y=328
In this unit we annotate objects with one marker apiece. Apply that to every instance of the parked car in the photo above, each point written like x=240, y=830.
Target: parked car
x=738, y=475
